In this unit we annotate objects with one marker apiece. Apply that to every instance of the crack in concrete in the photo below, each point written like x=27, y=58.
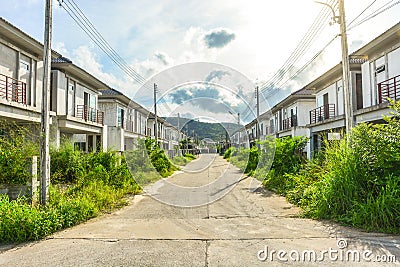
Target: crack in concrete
x=113, y=240
x=206, y=256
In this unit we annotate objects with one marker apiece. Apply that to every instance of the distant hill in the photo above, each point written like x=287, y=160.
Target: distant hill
x=214, y=131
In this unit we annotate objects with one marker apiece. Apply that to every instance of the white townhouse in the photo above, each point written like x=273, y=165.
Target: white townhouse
x=291, y=116
x=374, y=77
x=168, y=135
x=380, y=76
x=328, y=113
x=126, y=120
x=317, y=111
x=74, y=99
x=21, y=71
x=73, y=93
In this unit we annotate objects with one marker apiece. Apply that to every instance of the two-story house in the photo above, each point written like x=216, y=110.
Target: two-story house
x=74, y=98
x=21, y=74
x=328, y=114
x=380, y=76
x=126, y=120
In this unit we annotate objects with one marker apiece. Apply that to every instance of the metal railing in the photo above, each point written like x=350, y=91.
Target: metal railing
x=322, y=113
x=89, y=114
x=12, y=89
x=289, y=122
x=389, y=89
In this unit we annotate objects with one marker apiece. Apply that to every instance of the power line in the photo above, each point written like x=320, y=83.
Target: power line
x=376, y=13
x=84, y=23
x=315, y=29
x=306, y=64
x=75, y=6
x=362, y=12
x=373, y=14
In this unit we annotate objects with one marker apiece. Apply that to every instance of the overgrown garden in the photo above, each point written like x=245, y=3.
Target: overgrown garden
x=83, y=185
x=354, y=182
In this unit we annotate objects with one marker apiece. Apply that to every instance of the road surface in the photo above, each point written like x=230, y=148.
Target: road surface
x=226, y=225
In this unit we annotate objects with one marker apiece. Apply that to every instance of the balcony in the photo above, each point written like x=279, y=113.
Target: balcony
x=322, y=113
x=289, y=122
x=89, y=114
x=389, y=89
x=12, y=89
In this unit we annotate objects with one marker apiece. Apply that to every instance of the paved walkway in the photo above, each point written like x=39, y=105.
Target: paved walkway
x=235, y=227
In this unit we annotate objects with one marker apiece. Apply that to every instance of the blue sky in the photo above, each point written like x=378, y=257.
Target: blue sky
x=253, y=37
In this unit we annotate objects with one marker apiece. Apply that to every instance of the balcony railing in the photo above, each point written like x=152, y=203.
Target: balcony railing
x=89, y=114
x=289, y=122
x=12, y=89
x=389, y=89
x=322, y=113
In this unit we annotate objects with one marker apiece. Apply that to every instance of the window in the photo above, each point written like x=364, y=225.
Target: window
x=24, y=66
x=81, y=146
x=120, y=119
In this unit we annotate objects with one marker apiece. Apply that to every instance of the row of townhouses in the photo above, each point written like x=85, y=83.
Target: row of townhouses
x=317, y=109
x=83, y=109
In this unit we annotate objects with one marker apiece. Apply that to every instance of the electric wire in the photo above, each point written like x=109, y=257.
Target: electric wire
x=96, y=37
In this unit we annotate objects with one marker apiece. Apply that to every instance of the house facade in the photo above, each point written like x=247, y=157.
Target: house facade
x=327, y=116
x=374, y=77
x=74, y=99
x=380, y=76
x=126, y=120
x=21, y=71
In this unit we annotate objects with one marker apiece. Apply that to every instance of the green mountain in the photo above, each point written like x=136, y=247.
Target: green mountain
x=202, y=130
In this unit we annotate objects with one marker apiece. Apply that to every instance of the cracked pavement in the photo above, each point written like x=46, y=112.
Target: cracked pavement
x=238, y=228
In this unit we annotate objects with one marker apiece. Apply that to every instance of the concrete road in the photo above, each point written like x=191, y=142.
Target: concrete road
x=234, y=227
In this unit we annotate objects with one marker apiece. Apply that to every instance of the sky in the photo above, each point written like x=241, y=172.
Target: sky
x=161, y=39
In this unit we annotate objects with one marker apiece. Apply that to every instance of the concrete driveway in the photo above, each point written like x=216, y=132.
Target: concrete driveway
x=211, y=219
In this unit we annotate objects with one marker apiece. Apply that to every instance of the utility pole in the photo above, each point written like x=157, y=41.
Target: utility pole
x=347, y=91
x=45, y=118
x=179, y=134
x=155, y=114
x=238, y=129
x=258, y=113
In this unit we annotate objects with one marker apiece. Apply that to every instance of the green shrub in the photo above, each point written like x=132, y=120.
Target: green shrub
x=67, y=164
x=158, y=159
x=21, y=221
x=17, y=146
x=355, y=183
x=229, y=152
x=189, y=156
x=180, y=160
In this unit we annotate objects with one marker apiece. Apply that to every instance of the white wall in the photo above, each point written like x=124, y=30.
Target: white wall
x=110, y=113
x=366, y=84
x=303, y=112
x=394, y=63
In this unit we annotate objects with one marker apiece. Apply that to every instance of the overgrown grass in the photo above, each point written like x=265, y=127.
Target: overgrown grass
x=183, y=160
x=246, y=159
x=355, y=182
x=17, y=146
x=94, y=182
x=21, y=221
x=159, y=160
